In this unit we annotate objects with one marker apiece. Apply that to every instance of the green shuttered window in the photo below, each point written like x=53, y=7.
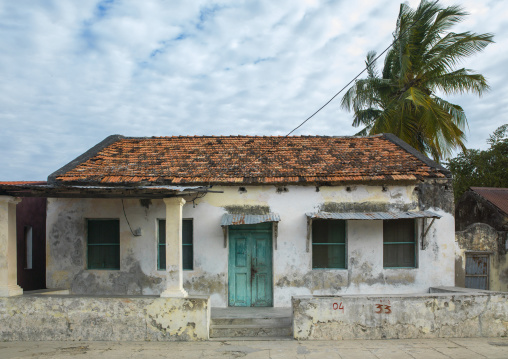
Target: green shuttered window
x=103, y=244
x=328, y=244
x=399, y=243
x=187, y=245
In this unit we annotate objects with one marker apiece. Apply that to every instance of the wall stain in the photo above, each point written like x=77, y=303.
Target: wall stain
x=436, y=194
x=247, y=209
x=67, y=241
x=314, y=281
x=207, y=283
x=145, y=202
x=351, y=207
x=132, y=281
x=362, y=274
x=405, y=277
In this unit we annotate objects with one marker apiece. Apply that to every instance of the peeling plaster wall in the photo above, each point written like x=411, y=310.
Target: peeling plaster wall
x=102, y=318
x=400, y=316
x=292, y=272
x=482, y=238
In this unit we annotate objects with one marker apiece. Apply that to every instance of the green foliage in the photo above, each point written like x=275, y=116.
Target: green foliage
x=477, y=168
x=403, y=99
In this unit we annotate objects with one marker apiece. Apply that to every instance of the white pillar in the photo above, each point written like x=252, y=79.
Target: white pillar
x=8, y=261
x=174, y=269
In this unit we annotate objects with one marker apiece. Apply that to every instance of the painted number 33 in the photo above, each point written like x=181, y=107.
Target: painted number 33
x=385, y=310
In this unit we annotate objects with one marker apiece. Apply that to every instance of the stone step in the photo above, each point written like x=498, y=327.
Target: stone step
x=252, y=330
x=283, y=321
x=251, y=339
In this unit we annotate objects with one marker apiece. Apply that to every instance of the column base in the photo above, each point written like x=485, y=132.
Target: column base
x=175, y=293
x=10, y=290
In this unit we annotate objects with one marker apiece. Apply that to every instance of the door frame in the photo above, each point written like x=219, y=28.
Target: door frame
x=249, y=228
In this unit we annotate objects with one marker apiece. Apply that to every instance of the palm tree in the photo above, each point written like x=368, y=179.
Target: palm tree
x=405, y=99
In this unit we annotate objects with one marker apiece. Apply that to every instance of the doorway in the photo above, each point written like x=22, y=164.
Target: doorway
x=477, y=271
x=250, y=266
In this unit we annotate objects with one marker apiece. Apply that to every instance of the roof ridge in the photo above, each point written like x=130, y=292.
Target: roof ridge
x=241, y=136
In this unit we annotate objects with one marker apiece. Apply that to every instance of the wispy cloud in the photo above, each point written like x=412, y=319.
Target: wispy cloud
x=75, y=72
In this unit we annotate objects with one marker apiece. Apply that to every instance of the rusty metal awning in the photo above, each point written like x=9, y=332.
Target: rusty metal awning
x=372, y=215
x=234, y=219
x=238, y=219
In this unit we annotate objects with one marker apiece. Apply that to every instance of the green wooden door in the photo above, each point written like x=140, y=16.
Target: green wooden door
x=250, y=266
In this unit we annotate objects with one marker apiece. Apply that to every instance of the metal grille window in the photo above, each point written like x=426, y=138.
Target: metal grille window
x=103, y=243
x=187, y=245
x=328, y=244
x=399, y=243
x=477, y=271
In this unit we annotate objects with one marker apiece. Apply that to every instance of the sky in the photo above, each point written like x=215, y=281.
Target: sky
x=74, y=72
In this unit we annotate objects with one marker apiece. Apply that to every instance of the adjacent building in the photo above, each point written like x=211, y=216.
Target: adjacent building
x=482, y=239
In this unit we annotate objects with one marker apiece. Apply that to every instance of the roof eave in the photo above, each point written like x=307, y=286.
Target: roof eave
x=84, y=157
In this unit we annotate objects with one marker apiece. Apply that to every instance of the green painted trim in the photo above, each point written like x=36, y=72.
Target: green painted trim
x=414, y=242
x=88, y=244
x=398, y=242
x=328, y=244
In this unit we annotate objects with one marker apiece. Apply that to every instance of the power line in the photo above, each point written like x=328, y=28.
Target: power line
x=337, y=94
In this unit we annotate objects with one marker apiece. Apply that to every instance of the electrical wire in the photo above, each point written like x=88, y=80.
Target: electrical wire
x=334, y=96
x=127, y=219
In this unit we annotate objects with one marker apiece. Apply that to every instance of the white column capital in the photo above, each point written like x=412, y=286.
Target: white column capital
x=10, y=199
x=174, y=201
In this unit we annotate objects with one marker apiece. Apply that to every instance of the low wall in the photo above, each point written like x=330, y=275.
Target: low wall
x=69, y=317
x=433, y=315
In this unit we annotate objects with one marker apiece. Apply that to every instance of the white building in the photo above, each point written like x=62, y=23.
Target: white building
x=249, y=221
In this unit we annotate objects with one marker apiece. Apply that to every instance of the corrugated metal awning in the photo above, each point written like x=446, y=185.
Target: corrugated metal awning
x=234, y=219
x=372, y=215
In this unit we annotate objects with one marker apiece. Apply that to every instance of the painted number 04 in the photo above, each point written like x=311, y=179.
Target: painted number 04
x=338, y=306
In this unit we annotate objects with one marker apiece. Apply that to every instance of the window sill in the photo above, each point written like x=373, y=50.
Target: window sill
x=329, y=268
x=103, y=269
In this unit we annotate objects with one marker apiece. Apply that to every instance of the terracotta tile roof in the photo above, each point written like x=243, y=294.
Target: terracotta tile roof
x=497, y=196
x=248, y=159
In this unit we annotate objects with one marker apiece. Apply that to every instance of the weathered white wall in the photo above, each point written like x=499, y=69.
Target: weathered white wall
x=459, y=315
x=63, y=317
x=293, y=275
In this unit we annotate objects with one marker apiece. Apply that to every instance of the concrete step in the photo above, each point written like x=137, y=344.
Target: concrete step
x=242, y=331
x=253, y=321
x=251, y=339
x=237, y=323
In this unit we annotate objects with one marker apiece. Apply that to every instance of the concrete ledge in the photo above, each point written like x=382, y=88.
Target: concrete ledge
x=61, y=317
x=49, y=291
x=463, y=290
x=444, y=315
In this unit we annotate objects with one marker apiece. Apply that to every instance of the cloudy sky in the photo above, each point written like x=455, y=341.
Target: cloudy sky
x=74, y=72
